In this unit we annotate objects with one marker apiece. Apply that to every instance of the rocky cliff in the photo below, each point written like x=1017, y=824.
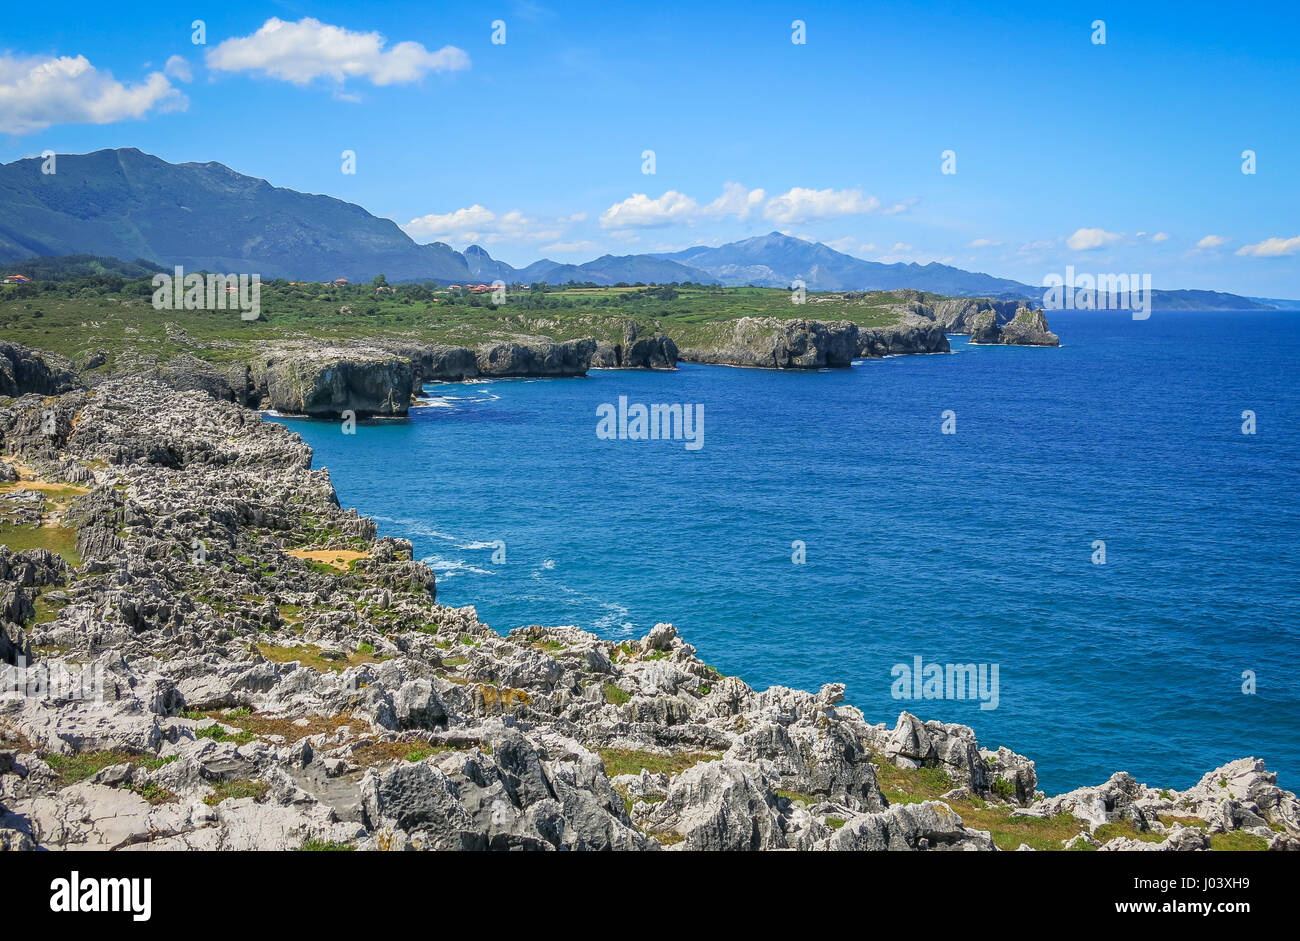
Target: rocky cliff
x=991, y=321
x=325, y=382
x=772, y=343
x=957, y=314
x=547, y=359
x=263, y=672
x=913, y=335
x=636, y=352
x=525, y=359
x=1027, y=328
x=23, y=370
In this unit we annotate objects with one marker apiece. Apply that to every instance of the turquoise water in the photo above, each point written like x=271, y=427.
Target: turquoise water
x=975, y=547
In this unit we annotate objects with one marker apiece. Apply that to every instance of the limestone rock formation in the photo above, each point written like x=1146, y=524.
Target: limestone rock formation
x=1028, y=328
x=570, y=358
x=636, y=352
x=24, y=370
x=325, y=382
x=772, y=343
x=912, y=335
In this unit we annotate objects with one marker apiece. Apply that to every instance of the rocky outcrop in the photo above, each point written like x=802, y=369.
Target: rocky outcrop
x=957, y=314
x=771, y=343
x=326, y=382
x=269, y=674
x=1028, y=328
x=24, y=371
x=540, y=359
x=983, y=328
x=913, y=335
x=991, y=322
x=636, y=352
x=437, y=362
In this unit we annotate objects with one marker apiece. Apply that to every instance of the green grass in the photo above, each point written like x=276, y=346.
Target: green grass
x=218, y=734
x=1009, y=830
x=47, y=611
x=1237, y=842
x=797, y=797
x=46, y=317
x=61, y=540
x=315, y=658
x=233, y=790
x=631, y=761
x=155, y=794
x=73, y=769
x=153, y=764
x=314, y=845
x=615, y=695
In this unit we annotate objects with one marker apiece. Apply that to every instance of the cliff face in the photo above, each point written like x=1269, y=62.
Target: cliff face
x=989, y=321
x=1026, y=328
x=570, y=358
x=1029, y=328
x=297, y=681
x=23, y=370
x=772, y=343
x=957, y=314
x=543, y=358
x=914, y=335
x=324, y=383
x=438, y=362
x=983, y=327
x=636, y=352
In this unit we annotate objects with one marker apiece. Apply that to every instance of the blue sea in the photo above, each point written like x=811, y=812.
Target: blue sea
x=973, y=547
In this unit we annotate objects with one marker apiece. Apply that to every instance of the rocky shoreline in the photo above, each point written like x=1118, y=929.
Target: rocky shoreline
x=275, y=675
x=381, y=377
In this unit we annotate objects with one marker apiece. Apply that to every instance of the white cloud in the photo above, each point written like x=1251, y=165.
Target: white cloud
x=479, y=224
x=1212, y=241
x=640, y=211
x=1272, y=247
x=1084, y=240
x=985, y=243
x=1160, y=237
x=39, y=91
x=736, y=200
x=179, y=68
x=806, y=205
x=299, y=52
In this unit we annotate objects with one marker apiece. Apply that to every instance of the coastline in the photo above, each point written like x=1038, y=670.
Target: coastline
x=633, y=745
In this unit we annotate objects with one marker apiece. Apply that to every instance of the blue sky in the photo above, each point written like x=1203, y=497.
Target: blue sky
x=1125, y=156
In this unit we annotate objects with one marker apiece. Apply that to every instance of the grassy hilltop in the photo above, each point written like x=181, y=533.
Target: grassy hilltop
x=89, y=305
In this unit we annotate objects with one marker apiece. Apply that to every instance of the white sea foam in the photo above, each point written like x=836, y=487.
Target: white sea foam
x=450, y=568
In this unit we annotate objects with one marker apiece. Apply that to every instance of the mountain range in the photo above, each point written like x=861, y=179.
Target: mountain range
x=205, y=216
